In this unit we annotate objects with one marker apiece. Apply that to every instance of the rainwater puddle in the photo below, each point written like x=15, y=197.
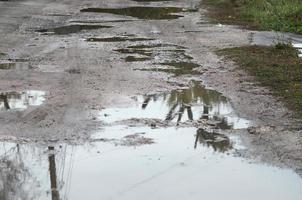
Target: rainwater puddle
x=21, y=100
x=271, y=38
x=176, y=68
x=118, y=39
x=152, y=13
x=157, y=52
x=182, y=163
x=192, y=104
x=65, y=30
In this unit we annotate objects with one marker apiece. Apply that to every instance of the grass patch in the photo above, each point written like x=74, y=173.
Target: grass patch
x=278, y=15
x=278, y=68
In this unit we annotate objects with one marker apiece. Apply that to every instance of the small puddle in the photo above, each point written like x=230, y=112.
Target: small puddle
x=136, y=59
x=152, y=13
x=21, y=100
x=65, y=30
x=180, y=106
x=177, y=68
x=157, y=52
x=150, y=0
x=100, y=21
x=118, y=39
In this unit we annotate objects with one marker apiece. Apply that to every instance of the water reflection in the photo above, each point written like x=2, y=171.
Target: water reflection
x=164, y=54
x=118, y=39
x=14, y=65
x=152, y=13
x=65, y=30
x=94, y=171
x=21, y=100
x=193, y=103
x=218, y=142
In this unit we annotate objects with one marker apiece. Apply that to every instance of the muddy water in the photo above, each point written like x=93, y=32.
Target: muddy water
x=21, y=100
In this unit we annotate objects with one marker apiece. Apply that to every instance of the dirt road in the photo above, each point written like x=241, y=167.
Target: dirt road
x=86, y=81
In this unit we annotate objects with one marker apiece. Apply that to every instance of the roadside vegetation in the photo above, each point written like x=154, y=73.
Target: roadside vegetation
x=277, y=67
x=278, y=15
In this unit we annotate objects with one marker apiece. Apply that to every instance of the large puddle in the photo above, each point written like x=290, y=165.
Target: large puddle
x=151, y=13
x=179, y=163
x=21, y=100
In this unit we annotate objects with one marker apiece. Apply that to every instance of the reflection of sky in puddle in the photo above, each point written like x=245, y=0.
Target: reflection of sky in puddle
x=21, y=100
x=102, y=170
x=179, y=106
x=299, y=47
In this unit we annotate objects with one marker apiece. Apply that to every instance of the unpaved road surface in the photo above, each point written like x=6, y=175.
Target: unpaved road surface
x=127, y=100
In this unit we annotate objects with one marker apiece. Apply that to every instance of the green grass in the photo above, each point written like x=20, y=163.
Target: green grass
x=278, y=68
x=278, y=15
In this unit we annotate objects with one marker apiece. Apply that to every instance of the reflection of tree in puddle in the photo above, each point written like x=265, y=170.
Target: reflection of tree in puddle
x=182, y=103
x=14, y=175
x=218, y=142
x=21, y=100
x=20, y=173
